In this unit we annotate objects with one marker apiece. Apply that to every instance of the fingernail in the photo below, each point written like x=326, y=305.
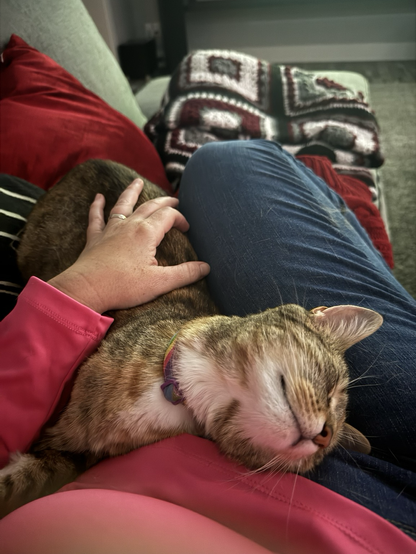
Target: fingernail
x=138, y=182
x=204, y=268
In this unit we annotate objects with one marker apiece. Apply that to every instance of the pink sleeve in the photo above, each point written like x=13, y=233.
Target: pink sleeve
x=42, y=342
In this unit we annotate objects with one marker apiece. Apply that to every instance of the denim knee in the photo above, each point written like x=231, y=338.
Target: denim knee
x=227, y=163
x=214, y=151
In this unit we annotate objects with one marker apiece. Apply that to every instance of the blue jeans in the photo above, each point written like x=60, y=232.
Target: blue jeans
x=273, y=232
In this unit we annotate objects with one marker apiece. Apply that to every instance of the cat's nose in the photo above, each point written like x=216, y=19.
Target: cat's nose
x=323, y=440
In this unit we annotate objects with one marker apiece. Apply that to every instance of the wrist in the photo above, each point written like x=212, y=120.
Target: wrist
x=74, y=284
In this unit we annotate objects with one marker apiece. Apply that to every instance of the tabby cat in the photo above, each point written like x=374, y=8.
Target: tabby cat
x=269, y=388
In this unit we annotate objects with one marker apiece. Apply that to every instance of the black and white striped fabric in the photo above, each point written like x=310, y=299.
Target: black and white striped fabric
x=17, y=198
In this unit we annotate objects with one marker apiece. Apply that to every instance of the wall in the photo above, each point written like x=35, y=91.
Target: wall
x=122, y=20
x=295, y=31
x=310, y=31
x=102, y=14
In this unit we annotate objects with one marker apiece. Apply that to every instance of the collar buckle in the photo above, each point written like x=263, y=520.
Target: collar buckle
x=170, y=387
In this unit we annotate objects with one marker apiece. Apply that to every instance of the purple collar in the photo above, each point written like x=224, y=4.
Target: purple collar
x=170, y=387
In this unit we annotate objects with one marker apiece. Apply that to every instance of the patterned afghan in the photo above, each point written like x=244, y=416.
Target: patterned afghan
x=217, y=95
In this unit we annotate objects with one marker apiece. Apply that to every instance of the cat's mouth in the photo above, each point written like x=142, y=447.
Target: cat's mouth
x=321, y=440
x=299, y=441
x=307, y=445
x=302, y=448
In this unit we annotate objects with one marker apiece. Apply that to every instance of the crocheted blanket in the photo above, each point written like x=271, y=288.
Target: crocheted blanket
x=220, y=95
x=217, y=95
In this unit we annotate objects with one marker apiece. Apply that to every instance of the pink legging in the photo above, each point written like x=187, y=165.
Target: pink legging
x=182, y=495
x=103, y=521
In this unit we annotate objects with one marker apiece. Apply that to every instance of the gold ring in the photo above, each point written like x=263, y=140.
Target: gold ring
x=119, y=216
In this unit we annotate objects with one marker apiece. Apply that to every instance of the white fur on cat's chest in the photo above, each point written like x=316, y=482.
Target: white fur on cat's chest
x=152, y=410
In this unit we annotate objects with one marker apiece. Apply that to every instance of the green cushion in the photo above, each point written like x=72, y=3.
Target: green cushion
x=350, y=79
x=150, y=96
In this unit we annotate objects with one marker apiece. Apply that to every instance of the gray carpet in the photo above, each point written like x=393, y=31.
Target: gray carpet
x=393, y=97
x=395, y=107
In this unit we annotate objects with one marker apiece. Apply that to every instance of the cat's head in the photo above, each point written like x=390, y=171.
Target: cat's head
x=271, y=388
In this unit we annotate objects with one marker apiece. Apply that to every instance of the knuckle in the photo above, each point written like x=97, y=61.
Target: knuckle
x=169, y=211
x=146, y=228
x=122, y=202
x=186, y=272
x=154, y=203
x=163, y=213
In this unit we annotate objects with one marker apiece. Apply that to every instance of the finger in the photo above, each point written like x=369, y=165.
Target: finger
x=96, y=222
x=163, y=220
x=148, y=208
x=128, y=199
x=174, y=277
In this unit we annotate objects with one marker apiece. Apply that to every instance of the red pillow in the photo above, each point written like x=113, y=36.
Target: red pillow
x=50, y=122
x=357, y=196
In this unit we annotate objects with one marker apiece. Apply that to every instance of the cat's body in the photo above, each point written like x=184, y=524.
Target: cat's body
x=269, y=389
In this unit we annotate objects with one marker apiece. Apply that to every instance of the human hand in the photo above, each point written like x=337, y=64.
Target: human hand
x=117, y=268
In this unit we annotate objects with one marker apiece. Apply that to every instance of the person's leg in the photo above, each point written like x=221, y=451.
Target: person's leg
x=100, y=521
x=382, y=487
x=274, y=233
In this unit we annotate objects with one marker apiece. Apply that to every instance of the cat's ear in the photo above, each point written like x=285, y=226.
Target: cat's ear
x=352, y=439
x=348, y=324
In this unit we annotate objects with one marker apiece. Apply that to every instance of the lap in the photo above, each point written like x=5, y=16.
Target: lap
x=275, y=233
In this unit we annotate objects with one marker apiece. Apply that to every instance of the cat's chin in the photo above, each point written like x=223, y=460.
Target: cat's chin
x=266, y=459
x=306, y=464
x=299, y=457
x=299, y=465
x=304, y=457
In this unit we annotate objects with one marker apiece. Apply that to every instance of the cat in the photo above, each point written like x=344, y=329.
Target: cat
x=270, y=388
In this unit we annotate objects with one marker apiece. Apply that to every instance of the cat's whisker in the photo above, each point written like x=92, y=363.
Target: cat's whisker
x=278, y=468
x=355, y=439
x=273, y=473
x=350, y=455
x=361, y=378
x=291, y=501
x=376, y=357
x=278, y=473
x=395, y=376
x=296, y=292
x=394, y=456
x=268, y=465
x=364, y=374
x=282, y=474
x=355, y=495
x=274, y=466
x=278, y=292
x=361, y=386
x=402, y=491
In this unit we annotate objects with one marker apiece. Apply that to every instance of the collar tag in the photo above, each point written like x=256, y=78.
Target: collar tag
x=170, y=386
